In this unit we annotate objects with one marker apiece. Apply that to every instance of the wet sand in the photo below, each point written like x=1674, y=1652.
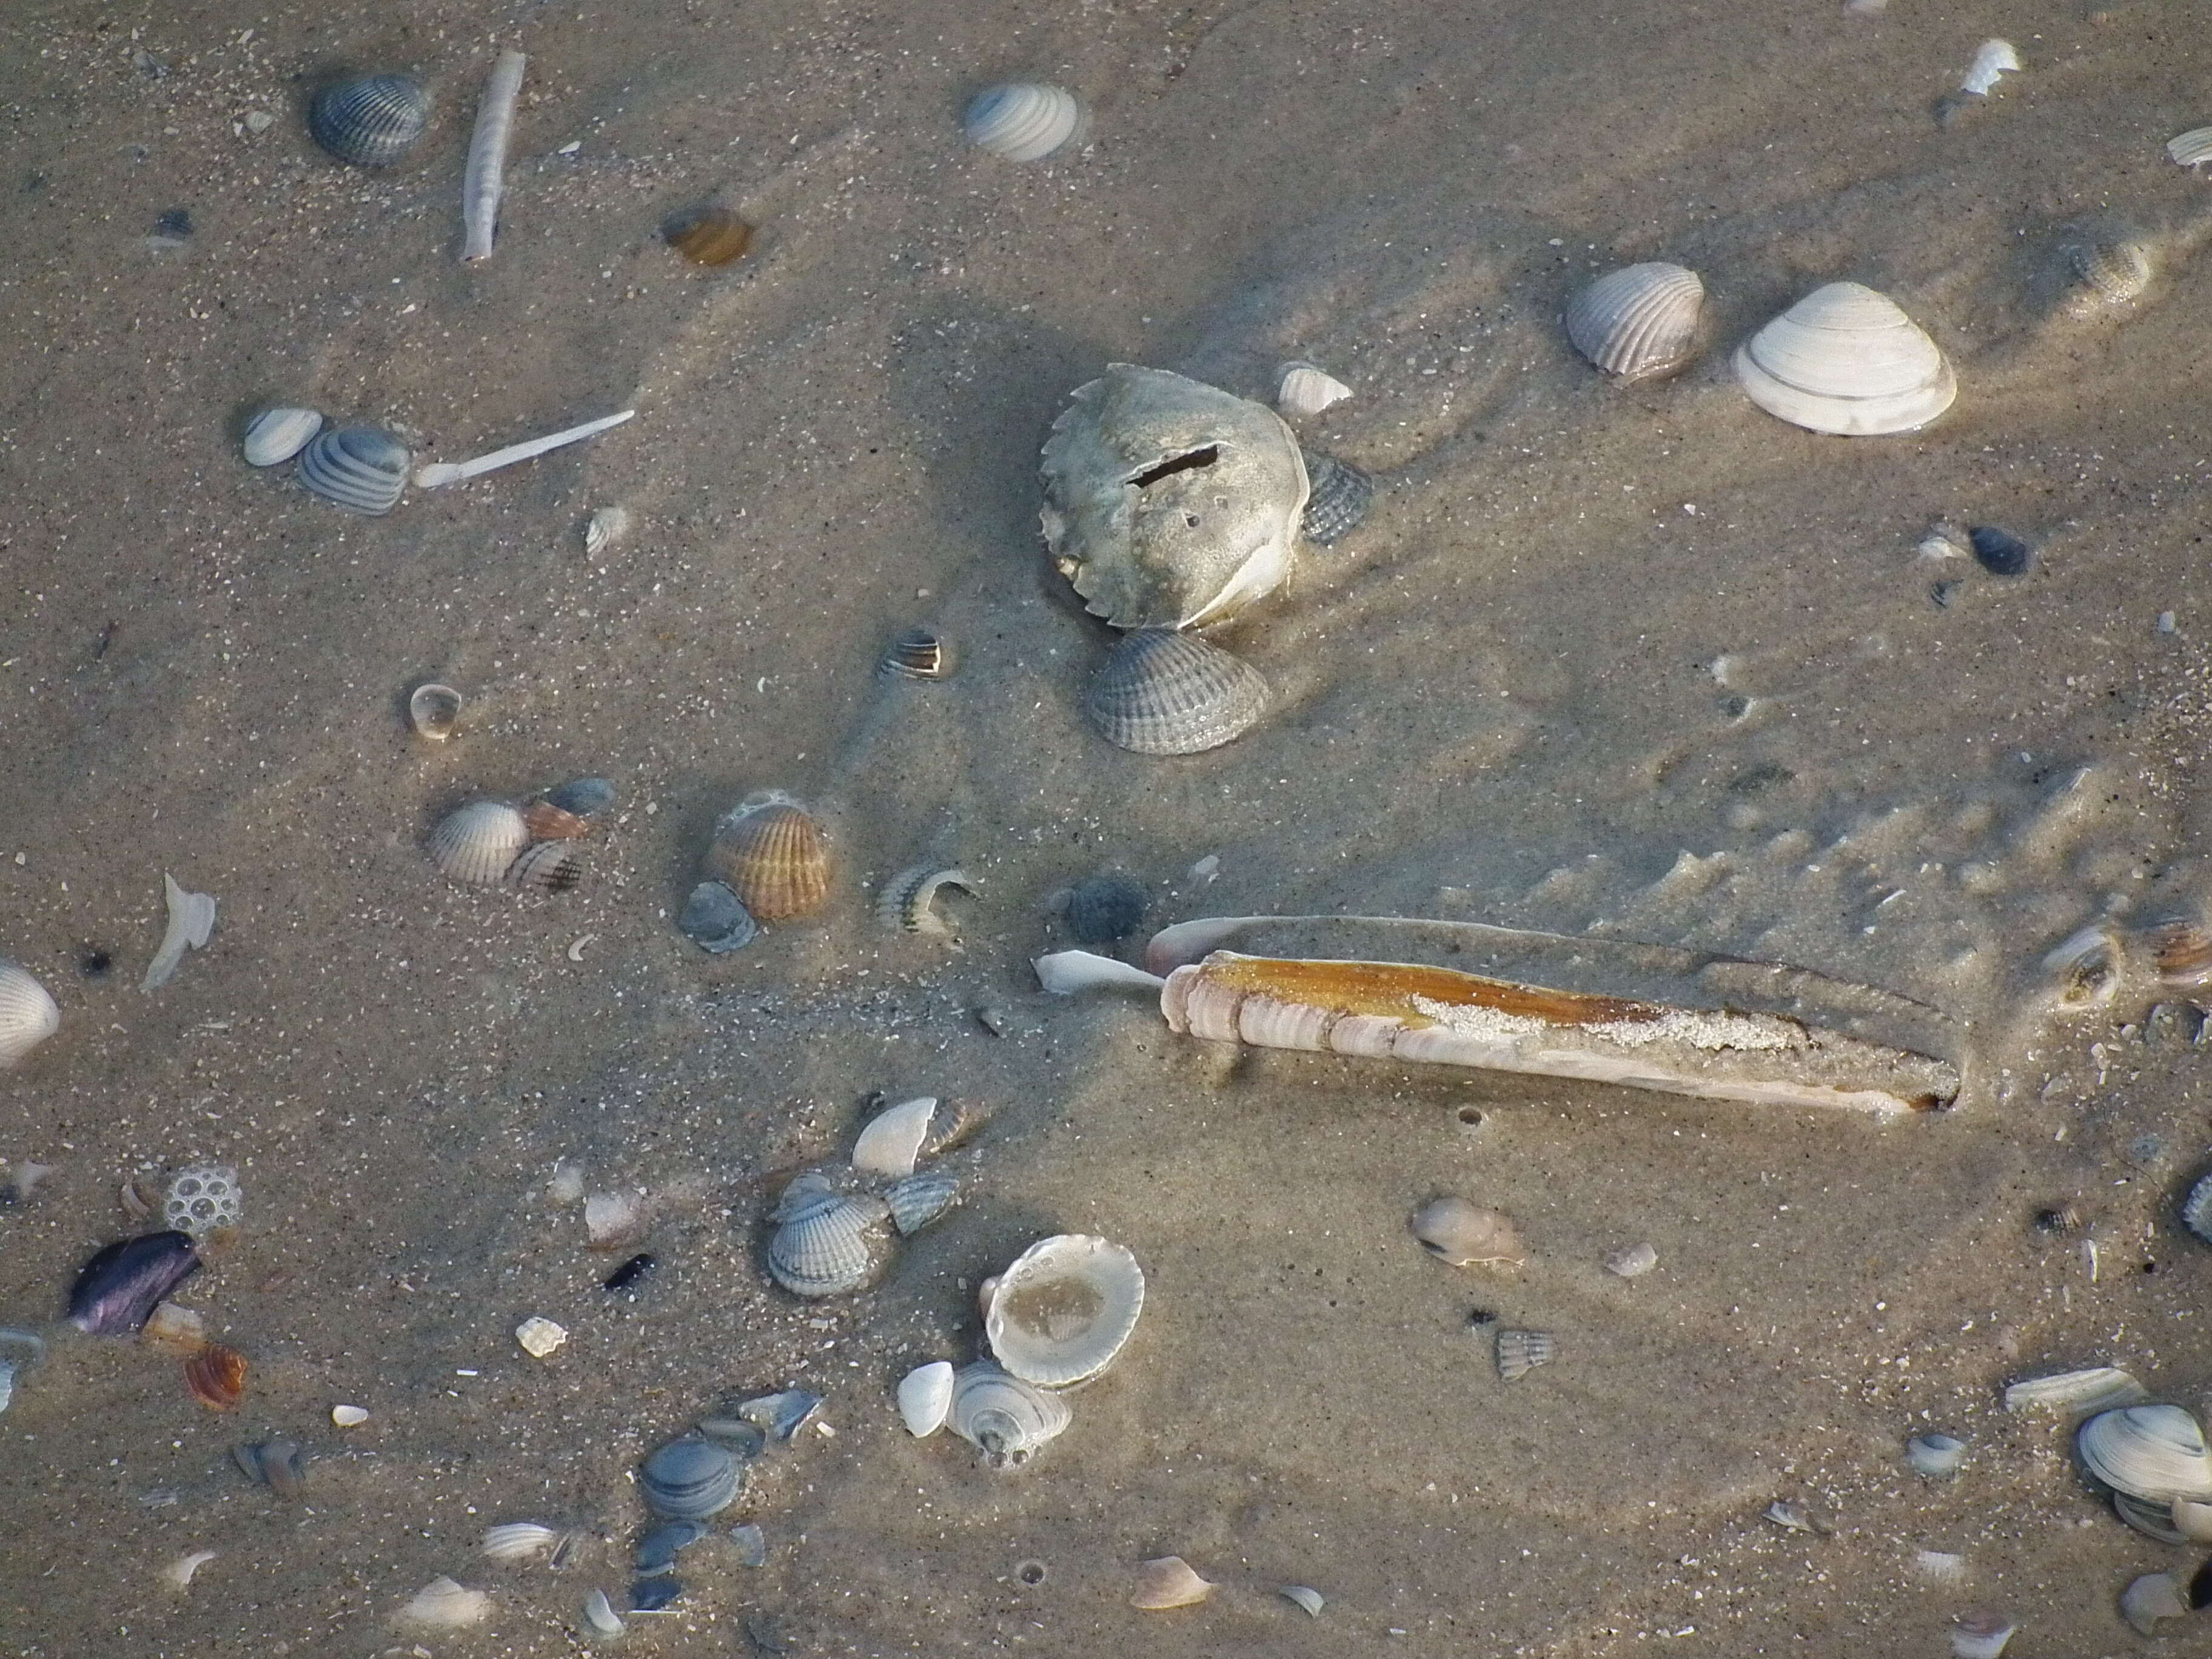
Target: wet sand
x=1641, y=662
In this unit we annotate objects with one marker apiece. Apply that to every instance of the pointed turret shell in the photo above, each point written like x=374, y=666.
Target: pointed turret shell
x=476, y=843
x=1845, y=359
x=1165, y=693
x=1640, y=322
x=371, y=120
x=28, y=1014
x=362, y=469
x=1023, y=121
x=1007, y=1420
x=1065, y=1308
x=775, y=857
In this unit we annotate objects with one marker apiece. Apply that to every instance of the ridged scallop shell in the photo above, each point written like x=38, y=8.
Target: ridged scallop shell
x=1023, y=121
x=441, y=1604
x=2083, y=971
x=1845, y=359
x=1640, y=322
x=1461, y=1235
x=774, y=856
x=1338, y=503
x=434, y=711
x=201, y=1198
x=1165, y=693
x=925, y=1397
x=891, y=1141
x=1007, y=1420
x=519, y=1540
x=2104, y=271
x=708, y=235
x=2190, y=148
x=915, y=1200
x=1065, y=1308
x=548, y=866
x=2154, y=1453
x=829, y=1246
x=276, y=435
x=1302, y=388
x=919, y=653
x=362, y=469
x=1520, y=1352
x=28, y=1015
x=907, y=902
x=371, y=120
x=476, y=844
x=689, y=1479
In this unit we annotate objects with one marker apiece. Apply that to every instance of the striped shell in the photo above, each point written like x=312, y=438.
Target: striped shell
x=2102, y=272
x=1520, y=1352
x=829, y=1246
x=1640, y=322
x=1065, y=1308
x=362, y=469
x=690, y=1478
x=441, y=1604
x=2192, y=148
x=1845, y=359
x=476, y=844
x=1165, y=693
x=276, y=435
x=28, y=1016
x=907, y=902
x=371, y=120
x=919, y=1199
x=920, y=653
x=1341, y=494
x=1302, y=388
x=1024, y=122
x=2181, y=951
x=775, y=858
x=547, y=866
x=1007, y=1420
x=215, y=1376
x=2154, y=1452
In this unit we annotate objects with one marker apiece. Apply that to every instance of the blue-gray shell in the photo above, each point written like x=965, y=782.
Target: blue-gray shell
x=371, y=120
x=362, y=469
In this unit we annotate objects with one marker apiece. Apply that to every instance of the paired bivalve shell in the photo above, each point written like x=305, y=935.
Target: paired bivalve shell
x=1845, y=359
x=1639, y=323
x=775, y=858
x=1166, y=693
x=2154, y=1453
x=1065, y=1308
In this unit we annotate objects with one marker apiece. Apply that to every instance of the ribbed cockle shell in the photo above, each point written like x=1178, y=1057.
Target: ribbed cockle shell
x=775, y=857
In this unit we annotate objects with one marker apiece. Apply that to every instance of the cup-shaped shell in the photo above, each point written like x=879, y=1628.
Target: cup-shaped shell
x=1846, y=359
x=215, y=1376
x=775, y=858
x=1169, y=1581
x=28, y=1014
x=434, y=711
x=476, y=843
x=1640, y=322
x=919, y=653
x=1007, y=1420
x=690, y=1478
x=1065, y=1308
x=709, y=235
x=915, y=1200
x=276, y=435
x=362, y=469
x=2152, y=1452
x=829, y=1246
x=925, y=1397
x=371, y=120
x=202, y=1198
x=1340, y=496
x=1023, y=121
x=1165, y=693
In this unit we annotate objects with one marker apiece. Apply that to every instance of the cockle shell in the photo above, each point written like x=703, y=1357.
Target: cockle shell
x=519, y=1540
x=476, y=843
x=362, y=469
x=1168, y=1581
x=1461, y=1235
x=1167, y=503
x=28, y=1014
x=1165, y=693
x=276, y=435
x=774, y=856
x=1640, y=322
x=1845, y=359
x=1340, y=498
x=2102, y=269
x=907, y=902
x=548, y=866
x=444, y=1605
x=925, y=1397
x=1520, y=1352
x=1023, y=121
x=1302, y=388
x=434, y=711
x=371, y=120
x=915, y=1200
x=1007, y=1420
x=919, y=653
x=2192, y=148
x=2153, y=1452
x=829, y=1245
x=1065, y=1308
x=891, y=1141
x=690, y=1478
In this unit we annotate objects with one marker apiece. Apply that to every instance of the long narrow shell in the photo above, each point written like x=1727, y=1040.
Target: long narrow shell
x=925, y=1397
x=891, y=1141
x=1166, y=693
x=1168, y=1581
x=1007, y=1420
x=1638, y=323
x=1024, y=122
x=438, y=474
x=1302, y=388
x=1065, y=1308
x=371, y=120
x=442, y=1604
x=483, y=179
x=2192, y=148
x=907, y=904
x=830, y=1247
x=1338, y=503
x=28, y=1014
x=276, y=435
x=476, y=843
x=775, y=858
x=1845, y=359
x=362, y=469
x=2153, y=1452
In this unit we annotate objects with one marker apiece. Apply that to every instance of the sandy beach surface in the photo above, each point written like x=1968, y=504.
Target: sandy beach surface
x=1640, y=662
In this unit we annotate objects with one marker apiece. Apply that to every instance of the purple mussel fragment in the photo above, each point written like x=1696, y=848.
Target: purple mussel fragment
x=118, y=1288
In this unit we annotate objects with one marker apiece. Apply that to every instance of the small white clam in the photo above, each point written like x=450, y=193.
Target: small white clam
x=1024, y=122
x=476, y=843
x=925, y=1397
x=1462, y=1235
x=891, y=1140
x=276, y=435
x=1302, y=388
x=2153, y=1452
x=1845, y=359
x=28, y=1015
x=1007, y=1420
x=1633, y=1262
x=1065, y=1308
x=444, y=1605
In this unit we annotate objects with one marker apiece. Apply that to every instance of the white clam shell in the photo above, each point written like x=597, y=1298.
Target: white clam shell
x=925, y=1397
x=2152, y=1452
x=1640, y=322
x=829, y=1246
x=1993, y=59
x=1845, y=359
x=891, y=1140
x=28, y=1014
x=476, y=843
x=276, y=435
x=1065, y=1308
x=2098, y=1388
x=1023, y=121
x=1007, y=1420
x=2190, y=148
x=1302, y=388
x=444, y=1605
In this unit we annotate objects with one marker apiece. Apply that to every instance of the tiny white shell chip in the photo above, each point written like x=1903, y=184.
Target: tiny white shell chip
x=892, y=1139
x=519, y=1540
x=1024, y=122
x=1307, y=1597
x=539, y=1337
x=179, y=1571
x=1992, y=60
x=28, y=1014
x=1633, y=1262
x=445, y=1604
x=2190, y=148
x=1065, y=1308
x=349, y=1417
x=925, y=1397
x=1302, y=388
x=276, y=435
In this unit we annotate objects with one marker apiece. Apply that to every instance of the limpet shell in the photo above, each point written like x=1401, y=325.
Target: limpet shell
x=202, y=1198
x=1168, y=1581
x=907, y=902
x=1520, y=1352
x=891, y=1141
x=1461, y=1235
x=1340, y=498
x=444, y=1605
x=1023, y=121
x=919, y=1199
x=1301, y=388
x=1007, y=1420
x=775, y=858
x=925, y=1397
x=28, y=1014
x=1104, y=909
x=690, y=1478
x=549, y=867
x=276, y=435
x=2153, y=1452
x=476, y=843
x=829, y=1246
x=711, y=235
x=362, y=469
x=1845, y=359
x=919, y=653
x=434, y=711
x=1065, y=1308
x=371, y=120
x=1640, y=322
x=1166, y=693
x=716, y=919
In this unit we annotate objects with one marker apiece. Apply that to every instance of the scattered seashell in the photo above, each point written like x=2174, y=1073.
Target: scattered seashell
x=605, y=527
x=1980, y=1635
x=1007, y=1420
x=1165, y=693
x=891, y=1141
x=349, y=1417
x=217, y=1377
x=630, y=1272
x=1845, y=359
x=920, y=653
x=986, y=1292
x=476, y=844
x=782, y=1414
x=1065, y=1308
x=434, y=711
x=1459, y=1234
x=1306, y=1597
x=177, y=1328
x=710, y=235
x=690, y=1478
x=2098, y=1388
x=919, y=1199
x=829, y=1246
x=2197, y=1209
x=371, y=120
x=2084, y=969
x=28, y=1014
x=1633, y=1262
x=2103, y=270
x=2152, y=1452
x=925, y=1397
x=2153, y=1597
x=1639, y=323
x=519, y=1540
x=21, y=1183
x=613, y=1220
x=1993, y=59
x=191, y=920
x=750, y=1544
x=1337, y=501
x=118, y=1287
x=1936, y=1456
x=275, y=1464
x=743, y=1438
x=907, y=902
x=547, y=866
x=1104, y=909
x=1999, y=552
x=438, y=474
x=1168, y=1581
x=202, y=1198
x=1792, y=1517
x=276, y=435
x=774, y=856
x=2181, y=952
x=659, y=1548
x=2191, y=1517
x=483, y=180
x=1302, y=388
x=600, y=1615
x=716, y=919
x=2192, y=148
x=362, y=469
x=540, y=1337
x=654, y=1592
x=1024, y=122
x=2152, y=1520
x=1940, y=1567
x=444, y=1605
x=1520, y=1352
x=180, y=1572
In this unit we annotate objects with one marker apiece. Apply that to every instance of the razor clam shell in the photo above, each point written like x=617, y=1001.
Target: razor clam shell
x=1007, y=1420
x=716, y=919
x=907, y=904
x=1640, y=322
x=1023, y=121
x=28, y=1014
x=1104, y=909
x=1168, y=1581
x=2192, y=148
x=919, y=653
x=371, y=120
x=2097, y=1389
x=1462, y=1235
x=362, y=469
x=482, y=181
x=1301, y=388
x=830, y=1247
x=690, y=1478
x=1338, y=500
x=919, y=1199
x=1065, y=1308
x=1520, y=1352
x=1845, y=359
x=119, y=1285
x=276, y=435
x=441, y=1604
x=775, y=858
x=434, y=711
x=549, y=867
x=477, y=844
x=191, y=922
x=1168, y=693
x=925, y=1397
x=2152, y=1452
x=891, y=1141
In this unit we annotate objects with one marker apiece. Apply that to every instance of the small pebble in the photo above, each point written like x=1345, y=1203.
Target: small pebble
x=349, y=1417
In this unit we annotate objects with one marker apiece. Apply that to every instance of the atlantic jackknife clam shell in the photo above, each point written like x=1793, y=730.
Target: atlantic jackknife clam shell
x=1023, y=121
x=276, y=435
x=774, y=856
x=371, y=120
x=1065, y=1308
x=477, y=844
x=1165, y=693
x=28, y=1014
x=1007, y=1420
x=1640, y=322
x=1845, y=359
x=362, y=469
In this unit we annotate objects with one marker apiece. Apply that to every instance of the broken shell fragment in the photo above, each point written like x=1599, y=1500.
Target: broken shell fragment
x=716, y=920
x=540, y=1337
x=202, y=1197
x=925, y=1397
x=371, y=120
x=548, y=866
x=519, y=1540
x=2083, y=971
x=2197, y=1210
x=2153, y=1597
x=2192, y=148
x=829, y=1246
x=275, y=1464
x=1993, y=59
x=1941, y=1566
x=781, y=1415
x=179, y=1573
x=434, y=712
x=919, y=1199
x=891, y=1141
x=1936, y=1456
x=605, y=527
x=217, y=1377
x=2152, y=1452
x=190, y=923
x=1981, y=1635
x=1166, y=693
x=28, y=1014
x=442, y=1604
x=118, y=1287
x=1633, y=1262
x=690, y=1478
x=600, y=1617
x=775, y=858
x=710, y=235
x=362, y=469
x=1640, y=322
x=178, y=1329
x=908, y=902
x=1520, y=1352
x=477, y=844
x=1459, y=1234
x=1306, y=1597
x=1845, y=359
x=1999, y=552
x=1302, y=388
x=276, y=435
x=919, y=653
x=1007, y=1420
x=1337, y=501
x=1065, y=1308
x=1024, y=122
x=2098, y=1388
x=1168, y=1581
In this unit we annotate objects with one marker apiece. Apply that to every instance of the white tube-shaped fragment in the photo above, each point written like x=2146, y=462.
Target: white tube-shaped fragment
x=483, y=180
x=446, y=472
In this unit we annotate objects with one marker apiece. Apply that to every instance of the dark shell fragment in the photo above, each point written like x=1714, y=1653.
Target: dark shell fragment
x=1341, y=494
x=689, y=1480
x=716, y=919
x=2000, y=552
x=652, y=1595
x=119, y=1286
x=658, y=1547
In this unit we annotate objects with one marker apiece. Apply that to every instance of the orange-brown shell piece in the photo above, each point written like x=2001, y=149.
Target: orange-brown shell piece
x=775, y=858
x=217, y=1377
x=709, y=235
x=547, y=822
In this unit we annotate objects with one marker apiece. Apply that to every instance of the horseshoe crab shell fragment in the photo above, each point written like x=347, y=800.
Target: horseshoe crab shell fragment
x=907, y=902
x=1166, y=693
x=829, y=1246
x=1023, y=121
x=1302, y=388
x=119, y=1285
x=919, y=1199
x=1338, y=500
x=925, y=1397
x=1845, y=359
x=1460, y=1235
x=1169, y=503
x=28, y=1014
x=891, y=1141
x=2154, y=1452
x=371, y=120
x=1520, y=1352
x=434, y=711
x=716, y=919
x=476, y=844
x=2193, y=148
x=690, y=1478
x=441, y=1604
x=362, y=469
x=1638, y=323
x=1007, y=1420
x=276, y=435
x=775, y=858
x=1065, y=1308
x=1168, y=1581
x=191, y=922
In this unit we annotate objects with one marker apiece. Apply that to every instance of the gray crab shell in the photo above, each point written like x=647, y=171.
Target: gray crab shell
x=1169, y=503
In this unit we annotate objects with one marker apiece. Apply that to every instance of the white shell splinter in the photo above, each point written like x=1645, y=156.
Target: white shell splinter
x=440, y=473
x=191, y=922
x=1065, y=1308
x=1993, y=59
